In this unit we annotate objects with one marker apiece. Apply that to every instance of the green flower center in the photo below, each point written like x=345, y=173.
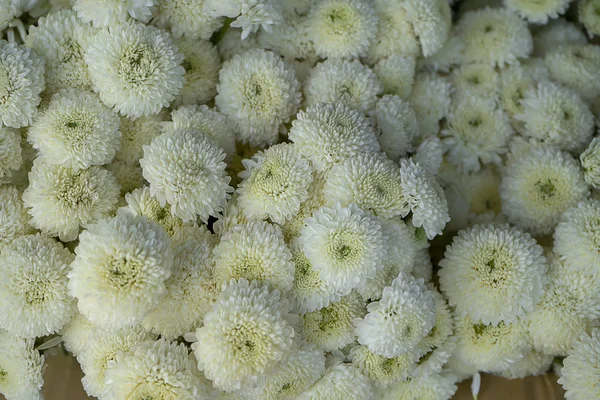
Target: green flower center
x=138, y=65
x=124, y=271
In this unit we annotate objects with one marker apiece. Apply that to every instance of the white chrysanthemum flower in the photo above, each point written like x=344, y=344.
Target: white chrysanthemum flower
x=537, y=188
x=21, y=368
x=153, y=370
x=576, y=66
x=431, y=99
x=275, y=183
x=332, y=327
x=342, y=381
x=258, y=92
x=135, y=68
x=328, y=134
x=577, y=236
x=21, y=82
x=477, y=133
x=580, y=371
x=135, y=133
x=206, y=120
x=476, y=79
x=430, y=154
x=108, y=13
x=14, y=220
x=431, y=21
x=295, y=373
x=102, y=348
x=187, y=18
x=395, y=34
x=426, y=387
x=494, y=36
x=587, y=11
x=345, y=244
x=309, y=292
x=402, y=246
x=347, y=82
x=254, y=251
x=396, y=74
x=537, y=11
x=247, y=332
x=120, y=269
x=491, y=348
x=185, y=169
x=76, y=334
x=533, y=363
x=557, y=116
x=502, y=266
x=201, y=62
x=371, y=181
x=396, y=126
x=425, y=198
x=76, y=131
x=62, y=40
x=10, y=152
x=342, y=28
x=400, y=320
x=590, y=162
x=60, y=200
x=33, y=290
x=556, y=33
x=141, y=202
x=128, y=176
x=515, y=81
x=381, y=370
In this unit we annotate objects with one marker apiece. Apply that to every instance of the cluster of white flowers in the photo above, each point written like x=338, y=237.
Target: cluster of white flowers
x=299, y=199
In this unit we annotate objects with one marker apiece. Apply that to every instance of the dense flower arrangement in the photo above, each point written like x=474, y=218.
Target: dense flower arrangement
x=299, y=199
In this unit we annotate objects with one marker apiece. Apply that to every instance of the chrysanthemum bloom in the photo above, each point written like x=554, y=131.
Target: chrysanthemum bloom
x=533, y=363
x=371, y=181
x=328, y=134
x=76, y=131
x=340, y=81
x=381, y=370
x=580, y=371
x=395, y=125
x=431, y=21
x=141, y=202
x=185, y=169
x=102, y=348
x=119, y=273
x=10, y=152
x=108, y=13
x=427, y=387
x=425, y=197
x=475, y=79
x=76, y=334
x=500, y=265
x=556, y=33
x=576, y=66
x=14, y=220
x=309, y=292
x=33, y=292
x=62, y=40
x=128, y=176
x=536, y=11
x=478, y=132
x=342, y=381
x=515, y=81
x=201, y=62
x=21, y=82
x=332, y=327
x=431, y=99
x=21, y=368
x=589, y=16
x=154, y=370
x=345, y=244
x=250, y=15
x=206, y=120
x=495, y=36
x=491, y=348
x=258, y=92
x=395, y=34
x=295, y=373
x=135, y=68
x=60, y=200
x=577, y=236
x=135, y=133
x=342, y=28
x=247, y=332
x=189, y=19
x=275, y=183
x=254, y=251
x=538, y=187
x=557, y=116
x=396, y=74
x=400, y=320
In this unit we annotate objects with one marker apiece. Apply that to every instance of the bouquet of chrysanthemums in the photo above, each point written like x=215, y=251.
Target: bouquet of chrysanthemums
x=299, y=199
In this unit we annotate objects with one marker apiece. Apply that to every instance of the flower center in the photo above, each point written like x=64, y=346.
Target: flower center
x=340, y=18
x=344, y=247
x=247, y=341
x=137, y=65
x=75, y=191
x=69, y=51
x=545, y=188
x=124, y=271
x=270, y=178
x=249, y=269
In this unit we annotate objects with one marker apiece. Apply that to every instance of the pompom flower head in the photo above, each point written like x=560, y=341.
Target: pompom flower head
x=201, y=62
x=396, y=74
x=577, y=236
x=120, y=269
x=576, y=66
x=538, y=12
x=580, y=371
x=186, y=169
x=107, y=13
x=502, y=266
x=431, y=21
x=21, y=368
x=141, y=202
x=247, y=332
x=189, y=19
x=382, y=370
x=589, y=17
x=135, y=68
